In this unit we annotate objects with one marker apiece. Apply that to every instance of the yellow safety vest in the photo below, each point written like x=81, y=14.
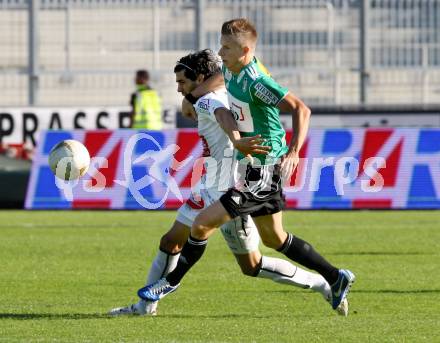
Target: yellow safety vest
x=147, y=110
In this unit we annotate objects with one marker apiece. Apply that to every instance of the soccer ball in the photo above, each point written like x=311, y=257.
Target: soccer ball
x=69, y=160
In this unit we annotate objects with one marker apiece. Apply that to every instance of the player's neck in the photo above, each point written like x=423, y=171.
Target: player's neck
x=242, y=64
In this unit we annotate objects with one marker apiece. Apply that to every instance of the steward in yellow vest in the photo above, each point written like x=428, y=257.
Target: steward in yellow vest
x=146, y=104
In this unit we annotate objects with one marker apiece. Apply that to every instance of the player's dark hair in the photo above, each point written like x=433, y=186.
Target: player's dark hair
x=240, y=26
x=143, y=74
x=203, y=62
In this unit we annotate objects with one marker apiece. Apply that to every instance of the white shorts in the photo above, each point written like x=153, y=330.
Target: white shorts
x=240, y=235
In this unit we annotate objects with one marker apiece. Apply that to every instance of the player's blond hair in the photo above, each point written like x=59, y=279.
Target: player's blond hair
x=242, y=29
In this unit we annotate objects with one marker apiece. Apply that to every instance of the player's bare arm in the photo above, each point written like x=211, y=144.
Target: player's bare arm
x=300, y=126
x=208, y=85
x=246, y=145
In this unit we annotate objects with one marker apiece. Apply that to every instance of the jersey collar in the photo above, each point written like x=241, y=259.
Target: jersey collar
x=243, y=70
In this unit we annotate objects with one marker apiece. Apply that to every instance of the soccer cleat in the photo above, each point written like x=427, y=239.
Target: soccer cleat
x=342, y=309
x=341, y=287
x=151, y=307
x=131, y=310
x=137, y=309
x=157, y=290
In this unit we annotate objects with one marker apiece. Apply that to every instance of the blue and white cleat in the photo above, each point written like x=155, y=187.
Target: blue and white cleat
x=157, y=290
x=341, y=287
x=342, y=309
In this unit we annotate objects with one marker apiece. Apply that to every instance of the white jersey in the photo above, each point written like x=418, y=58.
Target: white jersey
x=218, y=150
x=241, y=236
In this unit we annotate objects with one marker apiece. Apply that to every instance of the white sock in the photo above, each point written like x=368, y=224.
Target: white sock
x=283, y=271
x=162, y=264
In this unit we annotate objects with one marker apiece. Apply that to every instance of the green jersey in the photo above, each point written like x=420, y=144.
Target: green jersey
x=253, y=98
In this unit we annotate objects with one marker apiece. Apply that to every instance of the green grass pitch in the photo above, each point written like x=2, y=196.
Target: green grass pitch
x=60, y=272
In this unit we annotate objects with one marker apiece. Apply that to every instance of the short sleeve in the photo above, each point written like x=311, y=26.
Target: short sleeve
x=208, y=105
x=266, y=91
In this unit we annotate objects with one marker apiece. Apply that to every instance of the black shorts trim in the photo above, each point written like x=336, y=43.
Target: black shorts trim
x=260, y=195
x=240, y=204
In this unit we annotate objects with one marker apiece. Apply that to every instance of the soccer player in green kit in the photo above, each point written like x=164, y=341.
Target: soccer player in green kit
x=255, y=100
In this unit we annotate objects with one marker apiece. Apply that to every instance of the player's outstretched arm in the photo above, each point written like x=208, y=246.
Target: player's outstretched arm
x=246, y=145
x=210, y=84
x=300, y=126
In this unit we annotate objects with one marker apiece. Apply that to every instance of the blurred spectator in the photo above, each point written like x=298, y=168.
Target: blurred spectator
x=17, y=151
x=145, y=104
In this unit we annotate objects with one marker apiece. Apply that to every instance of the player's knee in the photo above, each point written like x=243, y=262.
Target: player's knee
x=272, y=242
x=170, y=245
x=199, y=228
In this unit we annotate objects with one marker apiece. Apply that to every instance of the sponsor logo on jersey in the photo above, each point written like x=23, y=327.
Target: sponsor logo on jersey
x=203, y=105
x=237, y=111
x=265, y=95
x=242, y=114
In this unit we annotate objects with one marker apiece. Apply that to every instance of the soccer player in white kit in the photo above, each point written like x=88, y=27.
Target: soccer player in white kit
x=241, y=235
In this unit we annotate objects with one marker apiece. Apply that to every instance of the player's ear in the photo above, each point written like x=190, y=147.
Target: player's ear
x=200, y=78
x=246, y=50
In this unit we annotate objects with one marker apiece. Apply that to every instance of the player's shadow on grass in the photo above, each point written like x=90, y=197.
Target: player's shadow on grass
x=397, y=291
x=381, y=253
x=64, y=316
x=375, y=291
x=78, y=316
x=219, y=316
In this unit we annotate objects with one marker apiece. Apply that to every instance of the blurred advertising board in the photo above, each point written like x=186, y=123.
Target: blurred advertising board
x=23, y=125
x=339, y=169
